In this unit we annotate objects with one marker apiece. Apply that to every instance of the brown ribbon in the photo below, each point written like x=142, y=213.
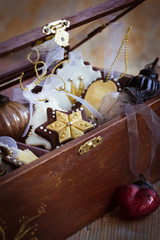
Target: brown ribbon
x=153, y=123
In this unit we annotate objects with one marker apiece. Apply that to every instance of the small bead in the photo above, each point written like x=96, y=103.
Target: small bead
x=81, y=78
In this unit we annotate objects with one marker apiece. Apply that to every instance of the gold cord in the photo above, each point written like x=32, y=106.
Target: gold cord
x=60, y=63
x=125, y=41
x=20, y=82
x=29, y=56
x=43, y=76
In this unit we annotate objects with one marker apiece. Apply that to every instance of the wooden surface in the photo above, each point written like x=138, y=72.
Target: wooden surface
x=76, y=189
x=76, y=20
x=62, y=191
x=28, y=68
x=112, y=226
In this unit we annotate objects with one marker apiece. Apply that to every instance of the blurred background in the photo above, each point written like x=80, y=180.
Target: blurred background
x=20, y=16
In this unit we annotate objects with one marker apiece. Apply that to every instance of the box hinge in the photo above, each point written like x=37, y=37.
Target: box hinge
x=58, y=28
x=91, y=144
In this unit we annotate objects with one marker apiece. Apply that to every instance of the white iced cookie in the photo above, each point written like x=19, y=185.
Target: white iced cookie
x=39, y=117
x=77, y=77
x=111, y=105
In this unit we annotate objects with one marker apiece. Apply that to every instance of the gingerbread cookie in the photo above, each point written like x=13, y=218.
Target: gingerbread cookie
x=96, y=91
x=62, y=126
x=25, y=156
x=39, y=117
x=77, y=76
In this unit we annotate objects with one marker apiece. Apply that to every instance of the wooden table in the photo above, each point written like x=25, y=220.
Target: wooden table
x=113, y=227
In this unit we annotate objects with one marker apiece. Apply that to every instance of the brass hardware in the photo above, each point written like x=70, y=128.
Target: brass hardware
x=58, y=28
x=91, y=144
x=38, y=42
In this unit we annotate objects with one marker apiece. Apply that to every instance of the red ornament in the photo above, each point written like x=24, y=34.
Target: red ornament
x=137, y=199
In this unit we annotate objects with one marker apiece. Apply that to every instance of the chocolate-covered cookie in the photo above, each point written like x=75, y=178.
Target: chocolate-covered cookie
x=61, y=126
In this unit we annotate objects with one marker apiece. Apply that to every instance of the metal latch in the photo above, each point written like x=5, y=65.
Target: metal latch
x=91, y=144
x=58, y=28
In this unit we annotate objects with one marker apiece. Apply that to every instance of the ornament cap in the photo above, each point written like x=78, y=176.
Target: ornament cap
x=150, y=71
x=142, y=181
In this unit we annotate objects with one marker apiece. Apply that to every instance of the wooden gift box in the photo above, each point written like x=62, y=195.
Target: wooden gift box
x=62, y=191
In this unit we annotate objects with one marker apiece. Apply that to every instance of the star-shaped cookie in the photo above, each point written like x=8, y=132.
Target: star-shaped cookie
x=62, y=126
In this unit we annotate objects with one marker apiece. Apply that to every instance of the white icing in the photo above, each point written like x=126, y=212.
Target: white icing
x=75, y=72
x=38, y=118
x=82, y=70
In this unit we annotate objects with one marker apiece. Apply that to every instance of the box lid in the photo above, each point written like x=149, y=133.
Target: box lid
x=76, y=20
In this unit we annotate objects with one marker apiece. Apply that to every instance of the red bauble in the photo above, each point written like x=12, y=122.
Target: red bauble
x=137, y=199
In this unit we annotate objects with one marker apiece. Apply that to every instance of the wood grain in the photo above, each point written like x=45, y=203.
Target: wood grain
x=76, y=20
x=76, y=189
x=116, y=227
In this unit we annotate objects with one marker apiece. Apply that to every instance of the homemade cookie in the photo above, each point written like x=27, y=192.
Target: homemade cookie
x=96, y=91
x=77, y=76
x=39, y=117
x=62, y=126
x=26, y=156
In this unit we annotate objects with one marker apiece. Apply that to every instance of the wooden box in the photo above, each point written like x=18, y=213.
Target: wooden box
x=62, y=191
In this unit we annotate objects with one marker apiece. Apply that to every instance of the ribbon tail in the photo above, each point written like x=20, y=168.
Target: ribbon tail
x=87, y=105
x=133, y=137
x=30, y=118
x=153, y=123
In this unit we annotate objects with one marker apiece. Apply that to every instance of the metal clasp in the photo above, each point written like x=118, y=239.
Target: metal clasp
x=58, y=28
x=91, y=144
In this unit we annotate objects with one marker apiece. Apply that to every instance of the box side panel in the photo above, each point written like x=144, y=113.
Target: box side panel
x=67, y=191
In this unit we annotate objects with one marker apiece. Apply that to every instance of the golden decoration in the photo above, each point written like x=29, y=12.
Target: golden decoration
x=96, y=92
x=69, y=126
x=125, y=41
x=100, y=88
x=77, y=92
x=44, y=75
x=25, y=225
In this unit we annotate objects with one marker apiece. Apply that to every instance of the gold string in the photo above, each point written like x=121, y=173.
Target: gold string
x=40, y=78
x=20, y=82
x=125, y=41
x=29, y=56
x=44, y=76
x=60, y=63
